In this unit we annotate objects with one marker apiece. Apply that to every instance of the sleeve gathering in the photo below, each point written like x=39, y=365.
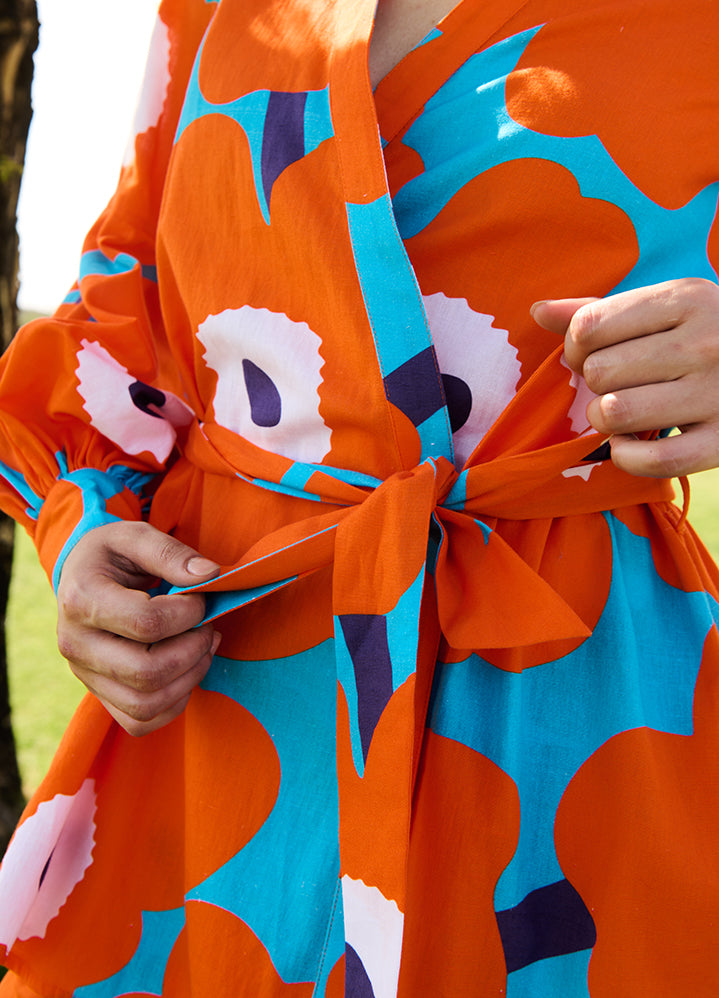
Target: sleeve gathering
x=91, y=402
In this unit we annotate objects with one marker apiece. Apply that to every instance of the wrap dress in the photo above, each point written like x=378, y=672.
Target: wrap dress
x=460, y=737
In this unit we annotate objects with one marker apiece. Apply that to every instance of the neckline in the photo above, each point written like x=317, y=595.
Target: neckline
x=470, y=26
x=427, y=37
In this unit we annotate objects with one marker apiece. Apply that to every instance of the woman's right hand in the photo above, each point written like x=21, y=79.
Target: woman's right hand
x=140, y=656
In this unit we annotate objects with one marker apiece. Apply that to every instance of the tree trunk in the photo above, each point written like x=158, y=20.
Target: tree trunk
x=18, y=40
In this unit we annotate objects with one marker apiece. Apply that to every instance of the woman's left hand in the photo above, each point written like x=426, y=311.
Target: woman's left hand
x=651, y=356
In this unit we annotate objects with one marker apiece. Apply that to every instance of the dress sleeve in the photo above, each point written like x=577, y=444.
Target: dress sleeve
x=90, y=399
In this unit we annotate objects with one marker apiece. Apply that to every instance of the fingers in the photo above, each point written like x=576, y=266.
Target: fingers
x=633, y=315
x=103, y=661
x=140, y=655
x=651, y=358
x=663, y=357
x=140, y=728
x=144, y=688
x=690, y=403
x=103, y=582
x=92, y=600
x=648, y=408
x=695, y=449
x=594, y=324
x=139, y=551
x=556, y=315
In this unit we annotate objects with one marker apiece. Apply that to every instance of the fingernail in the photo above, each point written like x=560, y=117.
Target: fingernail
x=217, y=637
x=201, y=566
x=544, y=301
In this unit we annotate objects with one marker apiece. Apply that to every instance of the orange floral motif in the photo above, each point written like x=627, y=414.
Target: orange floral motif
x=294, y=233
x=215, y=777
x=542, y=201
x=634, y=83
x=457, y=951
x=253, y=223
x=643, y=796
x=232, y=960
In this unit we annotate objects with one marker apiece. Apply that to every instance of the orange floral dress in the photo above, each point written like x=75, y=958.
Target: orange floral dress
x=460, y=737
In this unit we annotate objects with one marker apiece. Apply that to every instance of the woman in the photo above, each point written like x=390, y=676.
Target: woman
x=428, y=683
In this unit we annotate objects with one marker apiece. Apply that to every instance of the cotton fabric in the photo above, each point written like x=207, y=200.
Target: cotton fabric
x=459, y=737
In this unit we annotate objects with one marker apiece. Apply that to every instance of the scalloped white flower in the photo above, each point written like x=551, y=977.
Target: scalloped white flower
x=106, y=389
x=268, y=378
x=483, y=364
x=154, y=90
x=578, y=417
x=47, y=858
x=374, y=927
x=583, y=395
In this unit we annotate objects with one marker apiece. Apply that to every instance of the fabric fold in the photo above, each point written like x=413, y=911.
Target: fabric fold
x=374, y=562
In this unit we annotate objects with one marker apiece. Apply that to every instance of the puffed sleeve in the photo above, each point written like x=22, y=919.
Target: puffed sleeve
x=90, y=399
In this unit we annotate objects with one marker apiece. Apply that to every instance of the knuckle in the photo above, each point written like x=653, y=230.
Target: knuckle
x=614, y=413
x=595, y=372
x=689, y=296
x=705, y=349
x=170, y=666
x=169, y=551
x=141, y=710
x=136, y=729
x=72, y=602
x=145, y=679
x=584, y=325
x=148, y=625
x=142, y=721
x=66, y=643
x=699, y=289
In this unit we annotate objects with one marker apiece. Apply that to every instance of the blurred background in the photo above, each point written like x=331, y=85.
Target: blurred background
x=88, y=68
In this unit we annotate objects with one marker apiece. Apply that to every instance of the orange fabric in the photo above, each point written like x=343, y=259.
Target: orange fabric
x=629, y=813
x=454, y=635
x=12, y=987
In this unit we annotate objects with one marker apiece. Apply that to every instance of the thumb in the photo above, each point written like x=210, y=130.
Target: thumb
x=556, y=314
x=139, y=549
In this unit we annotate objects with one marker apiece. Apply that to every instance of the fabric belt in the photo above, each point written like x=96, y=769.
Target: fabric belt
x=377, y=535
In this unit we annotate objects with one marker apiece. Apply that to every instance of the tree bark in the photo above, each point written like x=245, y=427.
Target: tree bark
x=18, y=41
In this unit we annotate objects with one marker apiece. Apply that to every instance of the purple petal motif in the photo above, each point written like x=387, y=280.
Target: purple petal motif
x=366, y=637
x=415, y=386
x=459, y=400
x=283, y=140
x=265, y=401
x=357, y=983
x=550, y=921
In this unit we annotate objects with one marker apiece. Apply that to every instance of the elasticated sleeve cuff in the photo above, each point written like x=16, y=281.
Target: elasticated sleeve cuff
x=78, y=502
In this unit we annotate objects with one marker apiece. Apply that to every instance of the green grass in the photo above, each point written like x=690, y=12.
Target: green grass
x=704, y=508
x=45, y=693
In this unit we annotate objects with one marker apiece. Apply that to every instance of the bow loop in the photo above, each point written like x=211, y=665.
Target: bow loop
x=382, y=546
x=489, y=597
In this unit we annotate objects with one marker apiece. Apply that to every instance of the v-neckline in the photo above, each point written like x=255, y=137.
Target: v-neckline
x=405, y=89
x=427, y=36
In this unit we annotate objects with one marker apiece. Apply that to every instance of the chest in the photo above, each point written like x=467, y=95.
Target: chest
x=399, y=26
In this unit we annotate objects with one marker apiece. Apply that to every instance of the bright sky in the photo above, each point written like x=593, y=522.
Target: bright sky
x=88, y=70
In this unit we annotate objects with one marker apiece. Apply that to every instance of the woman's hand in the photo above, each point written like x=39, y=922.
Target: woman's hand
x=652, y=358
x=141, y=657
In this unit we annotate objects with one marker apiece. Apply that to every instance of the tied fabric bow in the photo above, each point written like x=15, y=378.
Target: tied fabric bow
x=381, y=536
x=413, y=544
